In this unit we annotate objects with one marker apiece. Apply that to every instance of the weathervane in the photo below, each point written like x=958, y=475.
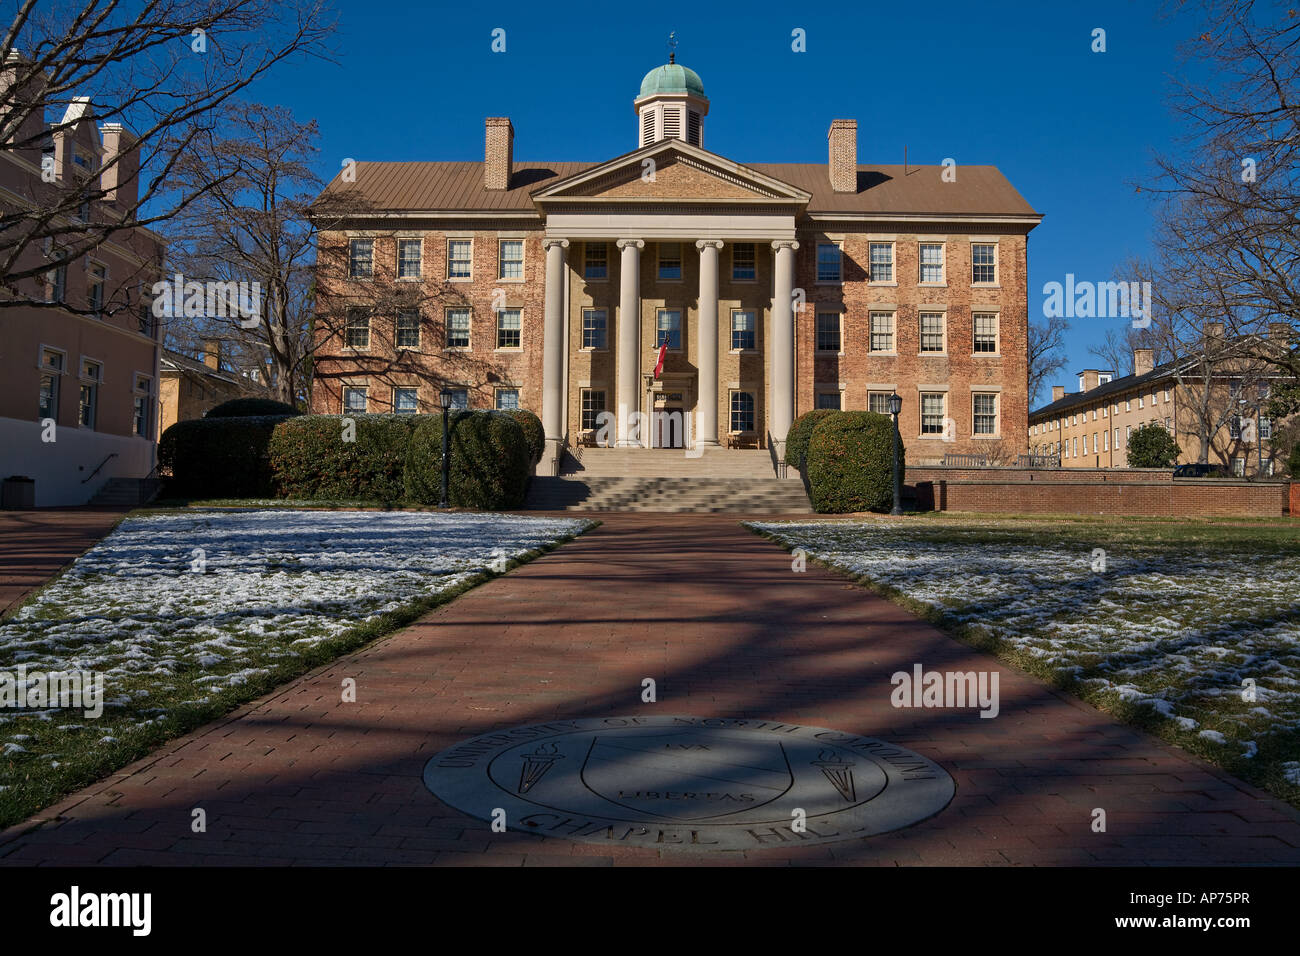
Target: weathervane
x=672, y=46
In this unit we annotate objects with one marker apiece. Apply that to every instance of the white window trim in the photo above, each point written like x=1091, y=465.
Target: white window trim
x=372, y=241
x=995, y=391
x=733, y=266
x=582, y=328
x=893, y=315
x=997, y=332
x=839, y=246
x=943, y=314
x=758, y=342
x=523, y=258
x=587, y=245
x=681, y=329
x=921, y=392
x=496, y=329
x=397, y=250
x=943, y=263
x=470, y=240
x=816, y=350
x=997, y=261
x=681, y=263
x=893, y=263
x=446, y=327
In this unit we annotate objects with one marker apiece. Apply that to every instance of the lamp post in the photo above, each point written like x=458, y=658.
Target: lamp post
x=896, y=406
x=444, y=401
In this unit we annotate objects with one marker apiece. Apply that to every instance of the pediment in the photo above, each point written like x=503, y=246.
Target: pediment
x=671, y=171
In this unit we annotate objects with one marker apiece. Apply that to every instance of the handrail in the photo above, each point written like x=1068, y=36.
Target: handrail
x=111, y=456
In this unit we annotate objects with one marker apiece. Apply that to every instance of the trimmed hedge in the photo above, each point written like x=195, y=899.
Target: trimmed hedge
x=489, y=461
x=533, y=432
x=245, y=407
x=850, y=463
x=796, y=440
x=219, y=457
x=310, y=457
x=1151, y=446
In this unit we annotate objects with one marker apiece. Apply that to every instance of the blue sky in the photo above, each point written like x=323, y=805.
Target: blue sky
x=1014, y=85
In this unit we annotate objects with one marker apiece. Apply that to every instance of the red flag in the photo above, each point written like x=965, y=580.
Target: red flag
x=663, y=350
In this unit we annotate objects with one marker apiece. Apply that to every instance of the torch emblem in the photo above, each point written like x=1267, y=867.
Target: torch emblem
x=536, y=764
x=839, y=772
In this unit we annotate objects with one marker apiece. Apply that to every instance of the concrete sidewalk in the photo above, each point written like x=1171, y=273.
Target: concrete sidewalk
x=35, y=545
x=717, y=617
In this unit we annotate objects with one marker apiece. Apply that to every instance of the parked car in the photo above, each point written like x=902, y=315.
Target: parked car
x=1202, y=471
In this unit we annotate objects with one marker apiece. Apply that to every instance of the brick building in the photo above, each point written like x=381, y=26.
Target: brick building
x=78, y=381
x=1091, y=428
x=778, y=288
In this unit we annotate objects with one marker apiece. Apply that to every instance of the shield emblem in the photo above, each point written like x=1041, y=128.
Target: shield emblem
x=687, y=777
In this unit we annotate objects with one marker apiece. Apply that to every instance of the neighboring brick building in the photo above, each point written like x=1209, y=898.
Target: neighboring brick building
x=778, y=287
x=78, y=390
x=1090, y=428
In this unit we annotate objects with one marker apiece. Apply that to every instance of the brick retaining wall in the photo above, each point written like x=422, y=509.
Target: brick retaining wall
x=1116, y=491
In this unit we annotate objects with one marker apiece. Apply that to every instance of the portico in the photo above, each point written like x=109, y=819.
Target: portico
x=730, y=359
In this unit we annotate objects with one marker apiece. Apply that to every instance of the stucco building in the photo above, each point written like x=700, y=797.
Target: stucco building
x=777, y=287
x=78, y=381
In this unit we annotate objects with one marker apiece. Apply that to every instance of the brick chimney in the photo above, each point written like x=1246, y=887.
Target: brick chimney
x=212, y=354
x=1090, y=378
x=1058, y=392
x=120, y=176
x=1144, y=360
x=843, y=148
x=499, y=153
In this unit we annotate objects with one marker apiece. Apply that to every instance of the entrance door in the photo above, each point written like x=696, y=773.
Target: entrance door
x=668, y=430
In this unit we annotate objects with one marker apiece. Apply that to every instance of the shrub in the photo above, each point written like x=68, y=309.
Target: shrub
x=1151, y=446
x=796, y=440
x=850, y=463
x=489, y=461
x=244, y=407
x=534, y=434
x=219, y=457
x=310, y=458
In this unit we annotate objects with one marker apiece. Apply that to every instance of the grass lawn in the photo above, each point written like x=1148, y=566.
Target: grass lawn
x=1158, y=621
x=188, y=614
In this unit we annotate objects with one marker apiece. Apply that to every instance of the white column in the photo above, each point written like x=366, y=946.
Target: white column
x=629, y=336
x=706, y=400
x=553, y=344
x=781, y=414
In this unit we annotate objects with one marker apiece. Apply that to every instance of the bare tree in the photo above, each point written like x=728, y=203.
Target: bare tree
x=1046, y=352
x=160, y=70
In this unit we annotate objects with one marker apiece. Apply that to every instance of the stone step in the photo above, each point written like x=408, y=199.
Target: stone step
x=666, y=463
x=118, y=492
x=667, y=494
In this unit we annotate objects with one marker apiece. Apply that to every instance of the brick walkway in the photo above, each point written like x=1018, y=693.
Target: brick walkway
x=718, y=618
x=34, y=545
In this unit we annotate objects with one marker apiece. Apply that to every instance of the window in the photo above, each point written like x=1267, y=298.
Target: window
x=458, y=328
x=1117, y=439
x=986, y=413
x=984, y=259
x=51, y=374
x=408, y=258
x=406, y=401
x=511, y=259
x=742, y=412
x=1105, y=411
x=143, y=402
x=58, y=280
x=986, y=332
x=1105, y=438
x=828, y=332
x=357, y=333
x=1104, y=378
x=361, y=258
x=829, y=400
x=878, y=402
x=509, y=328
x=670, y=260
x=932, y=413
x=595, y=261
x=1166, y=395
x=91, y=376
x=408, y=329
x=1074, y=453
x=1141, y=401
x=882, y=331
x=1095, y=446
x=593, y=403
x=932, y=263
x=1239, y=467
x=95, y=276
x=882, y=262
x=1128, y=404
x=354, y=400
x=508, y=399
x=1094, y=414
x=931, y=331
x=1128, y=433
x=1170, y=429
x=594, y=328
x=1265, y=428
x=459, y=398
x=828, y=262
x=742, y=262
x=460, y=255
x=1234, y=427
x=669, y=326
x=744, y=333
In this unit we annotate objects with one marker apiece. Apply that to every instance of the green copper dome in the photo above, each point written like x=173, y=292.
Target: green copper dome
x=671, y=78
